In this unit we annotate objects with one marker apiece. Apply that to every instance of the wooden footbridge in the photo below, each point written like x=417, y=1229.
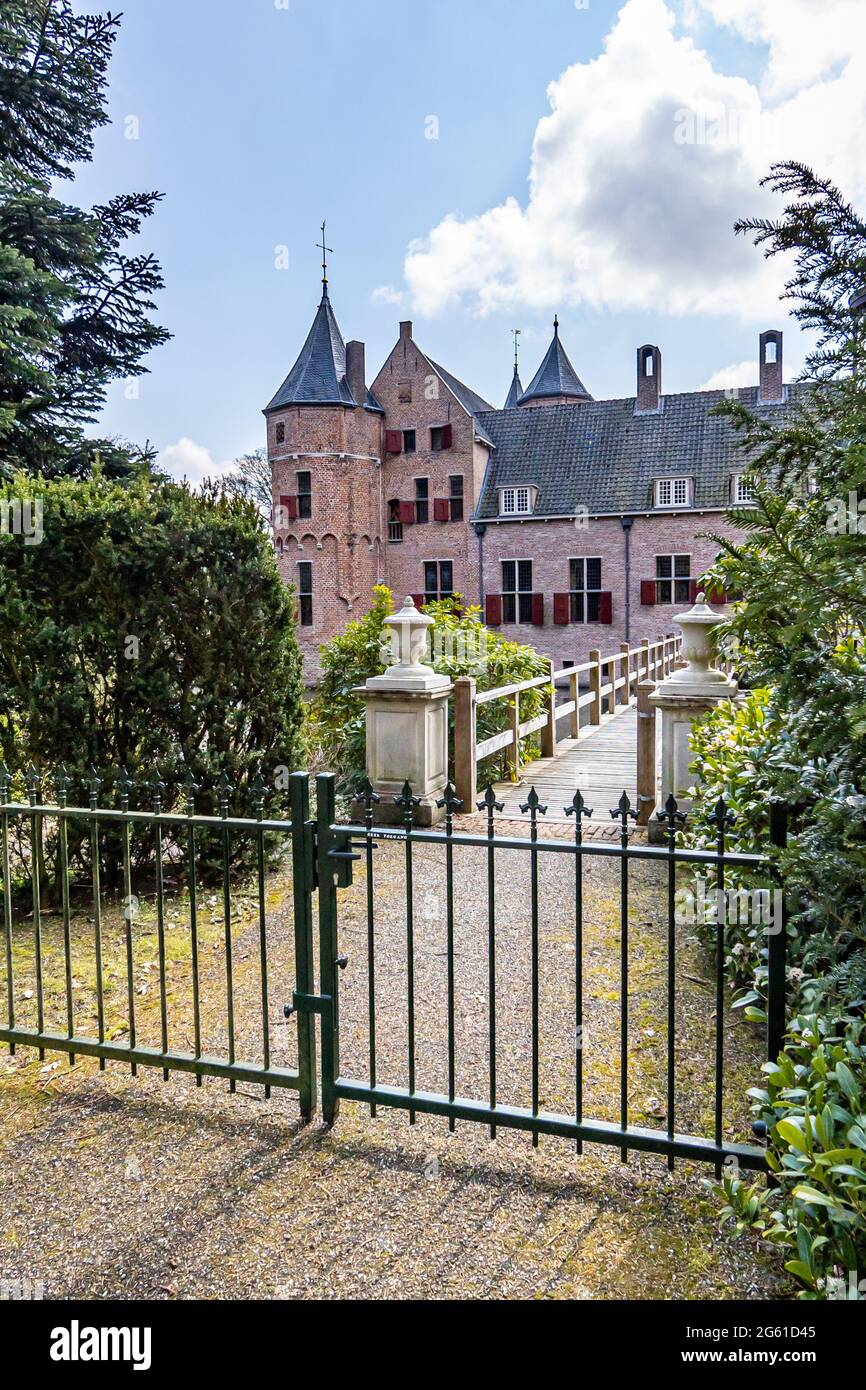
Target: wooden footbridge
x=589, y=739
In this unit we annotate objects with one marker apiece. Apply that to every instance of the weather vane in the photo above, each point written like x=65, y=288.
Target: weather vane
x=515, y=333
x=324, y=250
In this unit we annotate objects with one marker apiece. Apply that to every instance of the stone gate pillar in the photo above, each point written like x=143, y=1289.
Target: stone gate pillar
x=686, y=693
x=407, y=722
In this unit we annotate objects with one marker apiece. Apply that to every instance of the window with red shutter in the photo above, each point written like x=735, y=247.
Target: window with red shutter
x=393, y=441
x=538, y=610
x=418, y=600
x=292, y=503
x=441, y=509
x=447, y=436
x=647, y=592
x=493, y=610
x=561, y=609
x=407, y=513
x=605, y=608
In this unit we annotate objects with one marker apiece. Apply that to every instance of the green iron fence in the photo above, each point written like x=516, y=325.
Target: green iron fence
x=323, y=853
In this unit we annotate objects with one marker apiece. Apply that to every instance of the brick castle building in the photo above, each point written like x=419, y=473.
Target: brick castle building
x=574, y=523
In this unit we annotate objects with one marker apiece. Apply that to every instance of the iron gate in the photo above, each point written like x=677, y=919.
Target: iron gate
x=323, y=853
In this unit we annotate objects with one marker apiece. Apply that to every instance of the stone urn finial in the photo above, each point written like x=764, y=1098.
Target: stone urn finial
x=408, y=640
x=408, y=632
x=698, y=674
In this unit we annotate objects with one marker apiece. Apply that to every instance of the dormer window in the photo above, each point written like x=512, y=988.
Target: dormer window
x=742, y=492
x=673, y=492
x=515, y=501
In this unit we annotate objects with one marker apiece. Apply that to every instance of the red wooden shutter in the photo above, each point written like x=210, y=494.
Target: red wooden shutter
x=407, y=513
x=561, y=609
x=493, y=610
x=605, y=608
x=647, y=592
x=717, y=596
x=418, y=600
x=447, y=436
x=292, y=504
x=393, y=442
x=538, y=610
x=441, y=509
x=693, y=591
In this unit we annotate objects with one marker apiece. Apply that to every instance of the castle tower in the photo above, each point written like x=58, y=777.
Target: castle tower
x=324, y=431
x=556, y=382
x=515, y=390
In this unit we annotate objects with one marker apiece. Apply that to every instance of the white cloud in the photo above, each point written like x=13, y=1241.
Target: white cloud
x=648, y=156
x=187, y=459
x=387, y=294
x=806, y=38
x=737, y=374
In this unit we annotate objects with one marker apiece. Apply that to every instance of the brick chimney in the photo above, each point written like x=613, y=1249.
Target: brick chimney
x=770, y=391
x=355, y=373
x=649, y=378
x=406, y=331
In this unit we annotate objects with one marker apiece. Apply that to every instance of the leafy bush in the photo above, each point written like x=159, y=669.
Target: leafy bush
x=460, y=645
x=815, y=1109
x=150, y=630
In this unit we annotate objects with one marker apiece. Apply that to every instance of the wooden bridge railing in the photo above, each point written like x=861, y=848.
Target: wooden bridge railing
x=613, y=682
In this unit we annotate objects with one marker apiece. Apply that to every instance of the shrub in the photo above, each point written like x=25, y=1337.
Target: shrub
x=460, y=645
x=150, y=629
x=814, y=1107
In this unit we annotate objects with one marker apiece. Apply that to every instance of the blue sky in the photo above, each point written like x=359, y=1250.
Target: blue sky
x=257, y=119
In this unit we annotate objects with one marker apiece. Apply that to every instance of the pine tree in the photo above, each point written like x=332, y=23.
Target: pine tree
x=74, y=306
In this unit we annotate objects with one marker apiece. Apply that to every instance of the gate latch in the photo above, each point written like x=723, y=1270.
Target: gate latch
x=343, y=856
x=307, y=1004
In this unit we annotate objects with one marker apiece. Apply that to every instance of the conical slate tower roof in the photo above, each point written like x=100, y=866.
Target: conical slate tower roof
x=555, y=376
x=319, y=375
x=515, y=391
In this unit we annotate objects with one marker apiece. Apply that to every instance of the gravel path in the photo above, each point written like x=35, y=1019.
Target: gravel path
x=122, y=1186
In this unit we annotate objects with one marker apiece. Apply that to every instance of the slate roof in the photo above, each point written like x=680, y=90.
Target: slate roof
x=469, y=399
x=555, y=376
x=603, y=456
x=515, y=391
x=319, y=374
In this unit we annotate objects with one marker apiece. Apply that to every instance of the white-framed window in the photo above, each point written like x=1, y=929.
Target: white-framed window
x=515, y=501
x=742, y=491
x=584, y=585
x=305, y=593
x=673, y=492
x=673, y=578
x=517, y=591
x=422, y=500
x=438, y=579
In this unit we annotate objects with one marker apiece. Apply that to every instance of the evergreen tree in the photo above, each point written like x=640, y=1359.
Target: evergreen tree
x=146, y=626
x=74, y=306
x=801, y=572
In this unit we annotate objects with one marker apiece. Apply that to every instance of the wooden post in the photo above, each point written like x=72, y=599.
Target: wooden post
x=465, y=740
x=575, y=713
x=595, y=686
x=646, y=660
x=513, y=750
x=548, y=733
x=646, y=753
x=625, y=672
